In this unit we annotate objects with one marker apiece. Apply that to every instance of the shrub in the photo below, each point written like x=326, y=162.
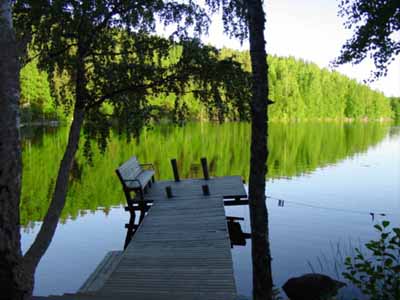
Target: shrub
x=377, y=275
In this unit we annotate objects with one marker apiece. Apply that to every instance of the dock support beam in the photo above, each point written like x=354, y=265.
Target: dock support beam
x=204, y=165
x=175, y=169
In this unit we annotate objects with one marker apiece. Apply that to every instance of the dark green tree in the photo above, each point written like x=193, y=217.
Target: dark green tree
x=108, y=57
x=375, y=25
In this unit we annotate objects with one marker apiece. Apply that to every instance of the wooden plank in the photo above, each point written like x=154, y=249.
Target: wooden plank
x=96, y=280
x=181, y=250
x=227, y=187
x=182, y=247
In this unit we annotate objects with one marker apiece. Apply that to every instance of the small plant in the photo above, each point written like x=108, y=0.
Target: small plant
x=377, y=276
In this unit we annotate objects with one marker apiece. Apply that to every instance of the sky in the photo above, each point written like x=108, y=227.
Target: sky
x=311, y=30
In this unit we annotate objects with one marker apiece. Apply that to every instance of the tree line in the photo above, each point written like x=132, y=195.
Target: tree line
x=301, y=90
x=395, y=103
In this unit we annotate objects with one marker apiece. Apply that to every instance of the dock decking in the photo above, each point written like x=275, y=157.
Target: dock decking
x=181, y=250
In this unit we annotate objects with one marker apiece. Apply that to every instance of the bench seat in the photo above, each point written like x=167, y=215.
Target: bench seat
x=143, y=178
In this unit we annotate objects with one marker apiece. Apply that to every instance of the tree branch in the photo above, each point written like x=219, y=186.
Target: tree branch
x=51, y=55
x=131, y=87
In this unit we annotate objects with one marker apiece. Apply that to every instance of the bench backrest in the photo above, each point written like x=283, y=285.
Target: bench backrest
x=129, y=170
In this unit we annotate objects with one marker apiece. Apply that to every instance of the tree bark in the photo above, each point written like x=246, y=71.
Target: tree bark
x=261, y=255
x=50, y=221
x=12, y=282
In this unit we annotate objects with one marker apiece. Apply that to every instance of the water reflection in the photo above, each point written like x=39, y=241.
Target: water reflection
x=295, y=150
x=302, y=236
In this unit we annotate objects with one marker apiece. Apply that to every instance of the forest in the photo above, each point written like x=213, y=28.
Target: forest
x=395, y=103
x=300, y=90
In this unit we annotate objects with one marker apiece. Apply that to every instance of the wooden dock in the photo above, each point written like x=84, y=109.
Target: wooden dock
x=181, y=250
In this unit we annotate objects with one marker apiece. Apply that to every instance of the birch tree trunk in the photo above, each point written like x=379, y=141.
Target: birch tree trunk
x=261, y=255
x=12, y=279
x=43, y=239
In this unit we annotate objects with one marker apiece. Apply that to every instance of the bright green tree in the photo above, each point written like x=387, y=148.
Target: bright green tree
x=36, y=100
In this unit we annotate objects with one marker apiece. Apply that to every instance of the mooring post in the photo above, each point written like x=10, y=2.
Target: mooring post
x=206, y=190
x=168, y=189
x=175, y=169
x=205, y=168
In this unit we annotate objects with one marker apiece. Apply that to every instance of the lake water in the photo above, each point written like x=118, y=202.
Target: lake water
x=331, y=177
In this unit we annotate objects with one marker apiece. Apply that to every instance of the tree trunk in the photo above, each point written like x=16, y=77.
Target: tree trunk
x=50, y=221
x=261, y=255
x=12, y=284
x=43, y=239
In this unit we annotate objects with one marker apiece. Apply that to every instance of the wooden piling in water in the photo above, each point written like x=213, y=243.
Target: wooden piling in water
x=168, y=190
x=175, y=169
x=206, y=190
x=204, y=166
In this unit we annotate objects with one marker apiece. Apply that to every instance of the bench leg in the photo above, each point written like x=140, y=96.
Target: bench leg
x=141, y=195
x=152, y=179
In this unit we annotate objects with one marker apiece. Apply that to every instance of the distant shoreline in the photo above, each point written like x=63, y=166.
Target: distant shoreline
x=57, y=123
x=49, y=123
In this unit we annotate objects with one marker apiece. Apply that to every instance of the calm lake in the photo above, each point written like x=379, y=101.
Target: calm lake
x=331, y=176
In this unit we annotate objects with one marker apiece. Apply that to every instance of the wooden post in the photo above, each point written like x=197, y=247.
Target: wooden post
x=206, y=190
x=175, y=169
x=205, y=168
x=169, y=191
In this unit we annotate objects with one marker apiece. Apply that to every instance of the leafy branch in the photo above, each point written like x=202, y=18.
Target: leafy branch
x=377, y=276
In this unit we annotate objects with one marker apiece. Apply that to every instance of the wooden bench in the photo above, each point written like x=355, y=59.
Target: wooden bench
x=136, y=178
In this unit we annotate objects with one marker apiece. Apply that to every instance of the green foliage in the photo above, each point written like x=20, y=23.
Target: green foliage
x=376, y=25
x=36, y=101
x=106, y=56
x=134, y=77
x=378, y=276
x=395, y=104
x=234, y=17
x=303, y=91
x=294, y=150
